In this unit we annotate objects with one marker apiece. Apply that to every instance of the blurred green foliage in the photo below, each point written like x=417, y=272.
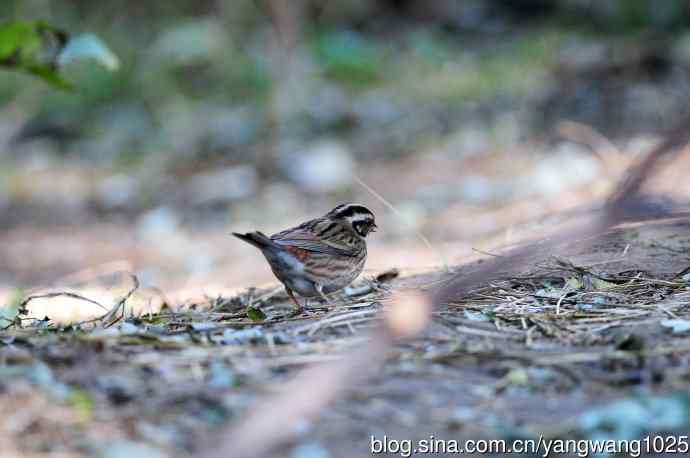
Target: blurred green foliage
x=33, y=47
x=629, y=16
x=199, y=78
x=43, y=50
x=349, y=57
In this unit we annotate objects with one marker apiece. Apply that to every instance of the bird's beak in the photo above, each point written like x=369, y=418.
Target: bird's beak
x=373, y=228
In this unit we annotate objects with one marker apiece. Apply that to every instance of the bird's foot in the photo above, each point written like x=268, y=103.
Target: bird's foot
x=327, y=305
x=295, y=312
x=307, y=311
x=299, y=312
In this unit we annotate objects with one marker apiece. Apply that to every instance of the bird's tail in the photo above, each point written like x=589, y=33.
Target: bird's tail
x=258, y=239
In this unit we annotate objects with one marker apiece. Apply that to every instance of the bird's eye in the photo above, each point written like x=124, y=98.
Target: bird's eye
x=363, y=227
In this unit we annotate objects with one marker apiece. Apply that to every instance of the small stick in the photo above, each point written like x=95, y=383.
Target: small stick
x=419, y=235
x=22, y=305
x=487, y=253
x=107, y=319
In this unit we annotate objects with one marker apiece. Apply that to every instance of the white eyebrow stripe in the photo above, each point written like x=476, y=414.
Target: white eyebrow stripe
x=350, y=209
x=360, y=217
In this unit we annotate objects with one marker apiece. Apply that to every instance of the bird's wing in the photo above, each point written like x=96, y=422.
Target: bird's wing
x=302, y=237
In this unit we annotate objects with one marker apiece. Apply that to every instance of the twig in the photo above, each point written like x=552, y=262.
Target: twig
x=487, y=253
x=23, y=304
x=392, y=208
x=558, y=304
x=313, y=327
x=109, y=318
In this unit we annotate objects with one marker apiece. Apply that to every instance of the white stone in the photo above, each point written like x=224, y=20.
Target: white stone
x=224, y=185
x=325, y=167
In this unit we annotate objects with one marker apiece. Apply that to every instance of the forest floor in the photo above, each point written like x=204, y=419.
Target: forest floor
x=591, y=343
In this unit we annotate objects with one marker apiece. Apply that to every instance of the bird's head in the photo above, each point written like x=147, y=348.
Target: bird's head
x=355, y=217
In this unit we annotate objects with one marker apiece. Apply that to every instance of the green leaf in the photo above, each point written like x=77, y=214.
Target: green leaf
x=255, y=314
x=83, y=404
x=21, y=39
x=600, y=284
x=574, y=283
x=33, y=47
x=518, y=377
x=349, y=57
x=42, y=50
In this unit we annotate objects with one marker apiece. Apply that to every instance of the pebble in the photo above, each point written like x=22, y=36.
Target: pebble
x=118, y=191
x=324, y=167
x=161, y=221
x=313, y=450
x=224, y=185
x=129, y=449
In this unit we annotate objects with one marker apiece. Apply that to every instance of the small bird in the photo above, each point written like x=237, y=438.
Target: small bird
x=319, y=256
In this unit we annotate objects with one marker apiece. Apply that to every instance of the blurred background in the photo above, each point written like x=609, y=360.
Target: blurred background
x=474, y=118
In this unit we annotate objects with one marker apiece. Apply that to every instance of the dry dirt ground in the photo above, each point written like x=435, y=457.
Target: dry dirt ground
x=591, y=343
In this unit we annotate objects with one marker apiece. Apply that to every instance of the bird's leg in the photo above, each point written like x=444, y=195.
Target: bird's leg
x=319, y=289
x=298, y=310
